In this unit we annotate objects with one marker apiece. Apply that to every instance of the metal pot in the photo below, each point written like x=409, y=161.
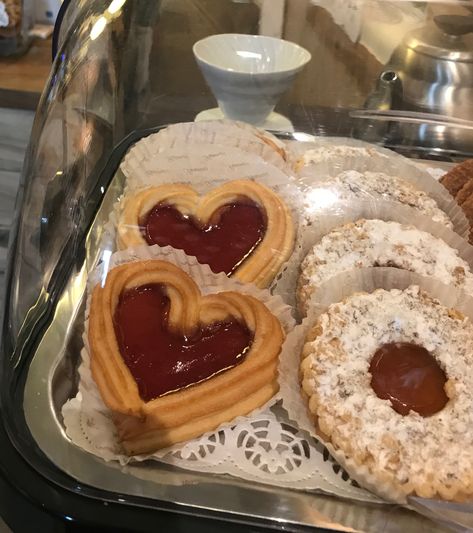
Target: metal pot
x=435, y=65
x=430, y=73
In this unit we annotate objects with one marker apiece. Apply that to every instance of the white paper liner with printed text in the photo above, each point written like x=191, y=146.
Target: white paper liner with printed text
x=208, y=163
x=334, y=291
x=340, y=213
x=227, y=134
x=264, y=135
x=100, y=439
x=343, y=155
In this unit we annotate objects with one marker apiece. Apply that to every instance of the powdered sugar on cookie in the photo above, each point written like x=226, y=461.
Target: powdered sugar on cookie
x=372, y=243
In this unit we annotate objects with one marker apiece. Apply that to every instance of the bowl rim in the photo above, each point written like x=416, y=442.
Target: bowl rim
x=307, y=56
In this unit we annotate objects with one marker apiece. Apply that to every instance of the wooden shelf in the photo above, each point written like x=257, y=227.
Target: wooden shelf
x=23, y=78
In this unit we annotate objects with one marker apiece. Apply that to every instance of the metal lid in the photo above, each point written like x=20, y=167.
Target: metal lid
x=446, y=39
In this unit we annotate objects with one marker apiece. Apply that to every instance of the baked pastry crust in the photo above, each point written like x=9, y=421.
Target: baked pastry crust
x=458, y=177
x=459, y=183
x=147, y=426
x=264, y=262
x=431, y=456
x=270, y=140
x=377, y=243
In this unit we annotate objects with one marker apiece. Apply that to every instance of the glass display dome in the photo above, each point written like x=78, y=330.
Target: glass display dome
x=124, y=70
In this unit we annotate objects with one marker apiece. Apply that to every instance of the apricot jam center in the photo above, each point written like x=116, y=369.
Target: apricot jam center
x=233, y=233
x=408, y=376
x=162, y=361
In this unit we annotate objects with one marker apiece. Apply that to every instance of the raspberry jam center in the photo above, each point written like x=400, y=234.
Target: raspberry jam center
x=408, y=376
x=234, y=231
x=162, y=361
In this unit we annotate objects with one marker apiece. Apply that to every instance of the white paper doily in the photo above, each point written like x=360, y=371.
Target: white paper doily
x=266, y=448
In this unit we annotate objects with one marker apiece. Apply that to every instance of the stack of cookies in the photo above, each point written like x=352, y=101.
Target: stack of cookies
x=171, y=361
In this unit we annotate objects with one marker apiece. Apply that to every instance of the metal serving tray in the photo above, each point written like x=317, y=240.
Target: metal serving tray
x=52, y=379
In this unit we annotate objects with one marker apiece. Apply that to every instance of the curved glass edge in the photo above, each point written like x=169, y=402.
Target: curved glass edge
x=69, y=144
x=114, y=74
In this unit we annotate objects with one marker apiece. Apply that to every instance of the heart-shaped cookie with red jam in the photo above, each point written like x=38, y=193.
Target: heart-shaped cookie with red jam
x=172, y=364
x=241, y=228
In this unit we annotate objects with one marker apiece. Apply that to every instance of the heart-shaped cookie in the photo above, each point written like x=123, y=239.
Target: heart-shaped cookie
x=215, y=358
x=241, y=228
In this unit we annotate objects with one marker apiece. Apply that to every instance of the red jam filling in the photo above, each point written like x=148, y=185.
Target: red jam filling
x=408, y=376
x=233, y=233
x=161, y=361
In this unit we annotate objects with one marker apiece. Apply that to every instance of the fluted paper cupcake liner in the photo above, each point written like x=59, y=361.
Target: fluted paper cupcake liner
x=223, y=135
x=334, y=291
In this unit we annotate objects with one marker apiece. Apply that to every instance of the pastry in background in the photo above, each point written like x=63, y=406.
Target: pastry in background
x=268, y=138
x=171, y=363
x=329, y=153
x=352, y=184
x=459, y=176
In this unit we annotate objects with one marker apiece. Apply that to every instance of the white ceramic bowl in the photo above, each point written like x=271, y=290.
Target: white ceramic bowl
x=249, y=73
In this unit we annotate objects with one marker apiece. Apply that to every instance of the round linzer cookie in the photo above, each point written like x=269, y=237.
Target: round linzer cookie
x=379, y=186
x=377, y=243
x=458, y=177
x=389, y=381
